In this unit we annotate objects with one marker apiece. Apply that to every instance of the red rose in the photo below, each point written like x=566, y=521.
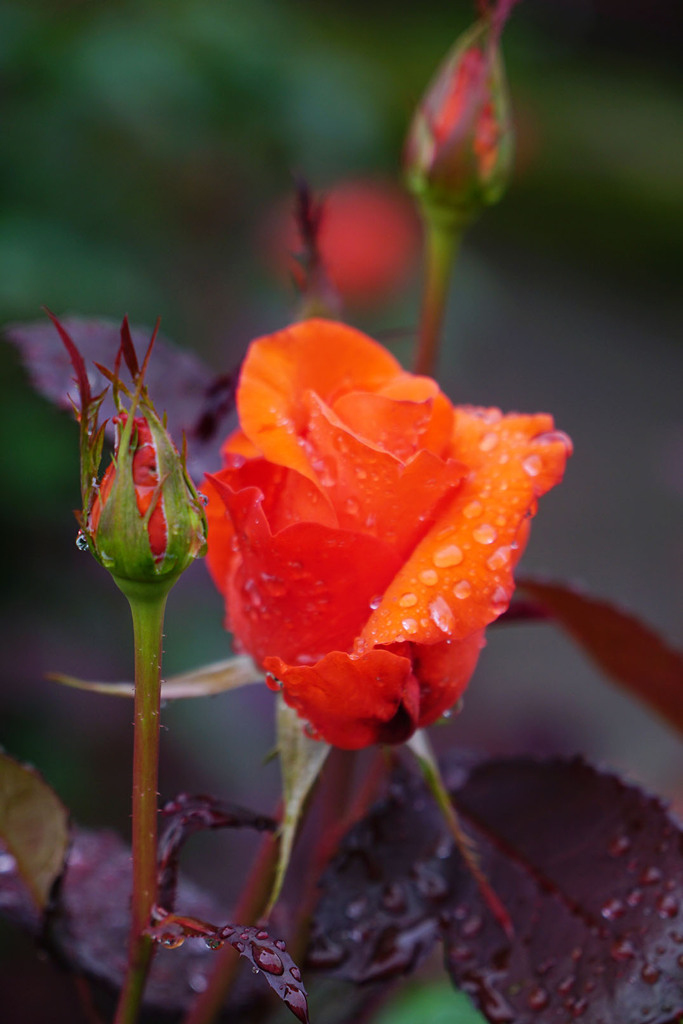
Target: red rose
x=363, y=531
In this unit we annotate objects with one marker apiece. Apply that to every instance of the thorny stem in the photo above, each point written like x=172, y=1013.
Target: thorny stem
x=147, y=603
x=443, y=236
x=254, y=899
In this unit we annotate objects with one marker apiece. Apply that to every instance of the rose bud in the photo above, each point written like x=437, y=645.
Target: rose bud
x=146, y=522
x=363, y=531
x=458, y=153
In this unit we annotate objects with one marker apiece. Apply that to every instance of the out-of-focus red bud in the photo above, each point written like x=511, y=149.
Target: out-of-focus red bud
x=458, y=153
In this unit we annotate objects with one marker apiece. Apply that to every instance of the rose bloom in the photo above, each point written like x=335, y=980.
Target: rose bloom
x=364, y=530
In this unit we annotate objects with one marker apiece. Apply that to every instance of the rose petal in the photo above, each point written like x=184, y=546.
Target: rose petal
x=444, y=670
x=372, y=490
x=291, y=593
x=353, y=702
x=399, y=425
x=461, y=572
x=315, y=355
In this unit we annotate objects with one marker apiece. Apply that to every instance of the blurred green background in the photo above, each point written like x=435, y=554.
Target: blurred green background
x=143, y=146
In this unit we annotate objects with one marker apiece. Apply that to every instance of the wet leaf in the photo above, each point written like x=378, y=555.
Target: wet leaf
x=196, y=400
x=187, y=815
x=301, y=762
x=626, y=649
x=207, y=681
x=590, y=869
x=33, y=831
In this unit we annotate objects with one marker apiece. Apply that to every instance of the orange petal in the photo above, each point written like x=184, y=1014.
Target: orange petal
x=373, y=491
x=399, y=424
x=461, y=572
x=353, y=702
x=279, y=369
x=220, y=552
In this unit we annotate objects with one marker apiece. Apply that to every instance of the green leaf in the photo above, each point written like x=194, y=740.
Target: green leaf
x=435, y=1004
x=202, y=682
x=301, y=761
x=33, y=827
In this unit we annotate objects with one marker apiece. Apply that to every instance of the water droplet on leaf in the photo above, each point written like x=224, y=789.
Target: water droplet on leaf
x=268, y=960
x=82, y=541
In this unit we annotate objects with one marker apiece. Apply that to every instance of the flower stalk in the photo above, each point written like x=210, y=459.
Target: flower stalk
x=147, y=604
x=442, y=242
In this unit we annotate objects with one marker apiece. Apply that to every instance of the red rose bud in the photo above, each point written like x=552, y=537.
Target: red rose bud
x=144, y=521
x=458, y=153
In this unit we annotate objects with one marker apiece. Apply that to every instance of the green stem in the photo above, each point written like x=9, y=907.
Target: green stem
x=147, y=604
x=443, y=234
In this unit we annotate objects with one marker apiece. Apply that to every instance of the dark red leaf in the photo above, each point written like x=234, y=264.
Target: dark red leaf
x=189, y=814
x=196, y=400
x=128, y=349
x=627, y=650
x=590, y=870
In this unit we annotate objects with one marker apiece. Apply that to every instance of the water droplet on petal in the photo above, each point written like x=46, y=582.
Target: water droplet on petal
x=410, y=626
x=499, y=600
x=82, y=541
x=429, y=577
x=408, y=600
x=441, y=615
x=484, y=534
x=268, y=960
x=473, y=509
x=499, y=559
x=375, y=602
x=447, y=556
x=488, y=442
x=462, y=589
x=532, y=465
x=553, y=437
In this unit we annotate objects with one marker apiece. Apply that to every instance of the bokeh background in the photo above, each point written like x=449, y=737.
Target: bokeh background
x=146, y=152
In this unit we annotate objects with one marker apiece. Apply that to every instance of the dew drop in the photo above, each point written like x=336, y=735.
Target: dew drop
x=393, y=898
x=555, y=437
x=408, y=600
x=499, y=559
x=361, y=473
x=268, y=960
x=473, y=509
x=311, y=731
x=356, y=908
x=484, y=534
x=198, y=982
x=462, y=589
x=612, y=909
x=499, y=600
x=441, y=615
x=82, y=541
x=622, y=950
x=634, y=897
x=579, y=1007
x=447, y=556
x=538, y=999
x=488, y=442
x=650, y=876
x=262, y=935
x=667, y=906
x=203, y=498
x=565, y=985
x=213, y=941
x=472, y=926
x=171, y=941
x=410, y=625
x=295, y=972
x=532, y=465
x=619, y=846
x=375, y=602
x=429, y=577
x=650, y=974
x=281, y=944
x=296, y=1001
